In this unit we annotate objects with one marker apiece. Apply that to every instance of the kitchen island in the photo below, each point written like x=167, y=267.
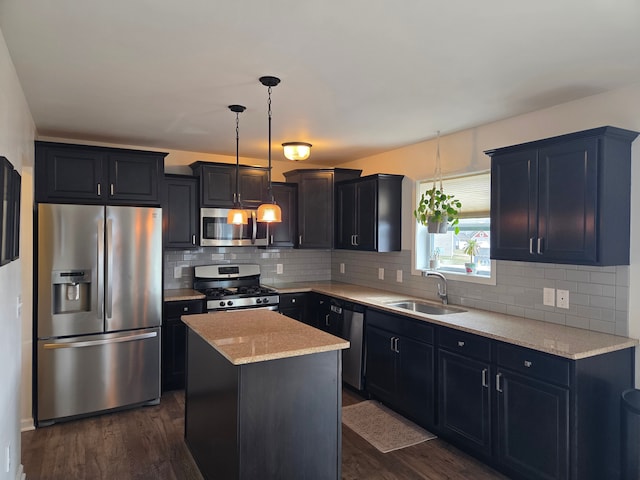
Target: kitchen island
x=263, y=396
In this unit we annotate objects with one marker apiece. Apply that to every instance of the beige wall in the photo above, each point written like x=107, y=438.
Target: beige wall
x=17, y=132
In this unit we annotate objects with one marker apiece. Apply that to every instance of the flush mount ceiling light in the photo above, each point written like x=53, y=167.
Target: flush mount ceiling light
x=297, y=151
x=237, y=215
x=269, y=212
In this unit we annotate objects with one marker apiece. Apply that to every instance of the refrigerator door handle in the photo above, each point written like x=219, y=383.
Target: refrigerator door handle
x=109, y=272
x=100, y=273
x=92, y=343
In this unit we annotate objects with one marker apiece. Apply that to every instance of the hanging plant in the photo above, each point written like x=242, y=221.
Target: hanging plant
x=437, y=210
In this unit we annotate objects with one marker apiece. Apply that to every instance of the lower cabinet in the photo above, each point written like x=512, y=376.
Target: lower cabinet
x=293, y=305
x=464, y=394
x=174, y=336
x=400, y=365
x=318, y=312
x=530, y=414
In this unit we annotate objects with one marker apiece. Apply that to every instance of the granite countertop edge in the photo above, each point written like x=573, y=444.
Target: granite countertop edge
x=560, y=340
x=182, y=294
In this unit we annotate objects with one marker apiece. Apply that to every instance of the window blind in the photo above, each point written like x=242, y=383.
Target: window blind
x=473, y=191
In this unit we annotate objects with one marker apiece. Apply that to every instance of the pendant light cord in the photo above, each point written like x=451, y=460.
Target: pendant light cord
x=238, y=200
x=270, y=192
x=437, y=174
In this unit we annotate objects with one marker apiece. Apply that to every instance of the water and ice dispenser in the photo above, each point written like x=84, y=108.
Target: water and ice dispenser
x=71, y=291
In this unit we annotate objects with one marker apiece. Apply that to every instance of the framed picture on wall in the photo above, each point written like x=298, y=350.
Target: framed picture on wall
x=10, y=184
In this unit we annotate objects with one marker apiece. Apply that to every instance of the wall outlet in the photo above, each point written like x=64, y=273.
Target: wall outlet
x=399, y=276
x=342, y=268
x=563, y=299
x=177, y=272
x=381, y=273
x=279, y=269
x=549, y=297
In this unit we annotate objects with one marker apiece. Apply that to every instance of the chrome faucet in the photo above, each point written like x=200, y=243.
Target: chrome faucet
x=442, y=285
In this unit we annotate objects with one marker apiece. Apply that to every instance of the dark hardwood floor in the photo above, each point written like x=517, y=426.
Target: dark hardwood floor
x=147, y=443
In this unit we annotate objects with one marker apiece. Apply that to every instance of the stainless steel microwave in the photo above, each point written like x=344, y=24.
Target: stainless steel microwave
x=216, y=232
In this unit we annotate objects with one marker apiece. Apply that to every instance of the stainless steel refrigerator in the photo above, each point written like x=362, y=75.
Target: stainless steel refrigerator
x=99, y=308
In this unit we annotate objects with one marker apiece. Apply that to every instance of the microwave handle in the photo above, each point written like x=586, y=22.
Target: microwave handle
x=254, y=224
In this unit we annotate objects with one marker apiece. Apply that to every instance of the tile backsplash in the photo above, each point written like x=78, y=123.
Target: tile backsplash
x=598, y=296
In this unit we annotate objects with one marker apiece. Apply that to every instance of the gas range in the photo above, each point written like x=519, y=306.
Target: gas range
x=230, y=287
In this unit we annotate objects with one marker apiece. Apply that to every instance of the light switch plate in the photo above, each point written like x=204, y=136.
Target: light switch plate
x=549, y=297
x=380, y=273
x=399, y=276
x=563, y=298
x=177, y=272
x=279, y=269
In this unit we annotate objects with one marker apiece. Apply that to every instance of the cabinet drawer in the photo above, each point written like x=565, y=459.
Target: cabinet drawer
x=535, y=364
x=466, y=344
x=185, y=307
x=288, y=300
x=415, y=329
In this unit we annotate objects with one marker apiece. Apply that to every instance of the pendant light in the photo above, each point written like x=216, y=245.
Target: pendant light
x=269, y=212
x=297, y=151
x=237, y=215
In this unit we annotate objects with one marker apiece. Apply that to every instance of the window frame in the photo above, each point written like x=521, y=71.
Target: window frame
x=420, y=237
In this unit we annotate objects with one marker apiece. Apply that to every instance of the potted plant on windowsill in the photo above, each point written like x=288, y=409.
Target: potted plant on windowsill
x=438, y=211
x=472, y=250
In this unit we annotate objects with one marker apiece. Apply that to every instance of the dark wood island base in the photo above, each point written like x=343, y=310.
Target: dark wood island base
x=270, y=419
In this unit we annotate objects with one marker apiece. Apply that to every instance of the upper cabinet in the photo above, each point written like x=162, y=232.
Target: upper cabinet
x=180, y=205
x=69, y=173
x=218, y=184
x=564, y=199
x=368, y=213
x=315, y=203
x=284, y=234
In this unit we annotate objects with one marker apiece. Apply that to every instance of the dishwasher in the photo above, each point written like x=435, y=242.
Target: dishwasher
x=348, y=319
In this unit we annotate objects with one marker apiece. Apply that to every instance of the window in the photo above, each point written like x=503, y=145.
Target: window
x=446, y=252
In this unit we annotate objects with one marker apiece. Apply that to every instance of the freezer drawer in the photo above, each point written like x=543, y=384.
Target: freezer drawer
x=80, y=375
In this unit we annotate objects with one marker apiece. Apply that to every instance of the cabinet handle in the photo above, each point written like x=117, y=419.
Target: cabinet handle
x=112, y=189
x=293, y=300
x=460, y=343
x=99, y=190
x=539, y=246
x=527, y=363
x=355, y=242
x=397, y=349
x=326, y=320
x=484, y=378
x=391, y=344
x=299, y=239
x=498, y=387
x=531, y=245
x=193, y=239
x=185, y=309
x=235, y=197
x=271, y=241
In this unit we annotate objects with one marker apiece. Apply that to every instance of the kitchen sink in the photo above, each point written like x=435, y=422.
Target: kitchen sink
x=424, y=307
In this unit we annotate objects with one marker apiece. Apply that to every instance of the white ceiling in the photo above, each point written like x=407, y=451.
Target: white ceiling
x=358, y=76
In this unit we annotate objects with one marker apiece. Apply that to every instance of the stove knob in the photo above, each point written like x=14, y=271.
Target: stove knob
x=265, y=300
x=222, y=304
x=258, y=300
x=230, y=303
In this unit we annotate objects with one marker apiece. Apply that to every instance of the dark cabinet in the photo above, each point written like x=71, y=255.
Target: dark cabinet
x=294, y=305
x=218, y=184
x=318, y=311
x=368, y=213
x=315, y=203
x=532, y=420
x=284, y=234
x=87, y=174
x=464, y=393
x=174, y=335
x=400, y=365
x=564, y=199
x=180, y=211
